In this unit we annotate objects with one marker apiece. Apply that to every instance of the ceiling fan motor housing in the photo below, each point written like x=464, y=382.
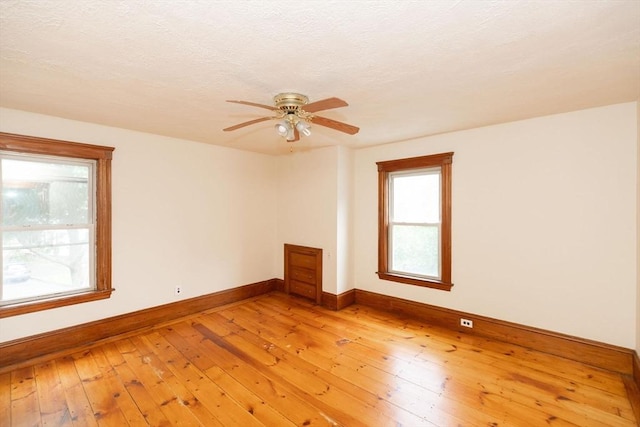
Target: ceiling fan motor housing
x=290, y=102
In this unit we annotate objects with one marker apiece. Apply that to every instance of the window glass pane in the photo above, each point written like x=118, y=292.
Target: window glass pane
x=40, y=193
x=415, y=197
x=414, y=250
x=44, y=262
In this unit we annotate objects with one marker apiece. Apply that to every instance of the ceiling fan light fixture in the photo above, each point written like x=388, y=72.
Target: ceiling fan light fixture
x=283, y=128
x=303, y=128
x=291, y=136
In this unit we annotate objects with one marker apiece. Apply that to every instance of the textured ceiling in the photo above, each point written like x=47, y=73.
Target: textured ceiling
x=407, y=68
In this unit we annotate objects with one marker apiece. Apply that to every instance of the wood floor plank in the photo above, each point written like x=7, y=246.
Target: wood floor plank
x=337, y=384
x=25, y=408
x=53, y=405
x=305, y=385
x=74, y=393
x=227, y=368
x=225, y=410
x=247, y=401
x=276, y=360
x=97, y=385
x=204, y=400
x=155, y=377
x=121, y=396
x=183, y=335
x=281, y=396
x=5, y=399
x=140, y=395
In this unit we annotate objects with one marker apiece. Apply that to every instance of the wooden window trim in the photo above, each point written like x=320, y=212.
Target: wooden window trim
x=444, y=161
x=102, y=155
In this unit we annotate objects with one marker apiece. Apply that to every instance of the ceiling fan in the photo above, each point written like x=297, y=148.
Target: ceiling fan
x=295, y=114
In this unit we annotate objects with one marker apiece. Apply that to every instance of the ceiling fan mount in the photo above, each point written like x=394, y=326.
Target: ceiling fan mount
x=295, y=113
x=290, y=101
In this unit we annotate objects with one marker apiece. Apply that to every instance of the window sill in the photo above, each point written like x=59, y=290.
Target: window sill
x=409, y=280
x=30, y=307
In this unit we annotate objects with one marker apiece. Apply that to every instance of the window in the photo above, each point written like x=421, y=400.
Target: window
x=56, y=223
x=414, y=225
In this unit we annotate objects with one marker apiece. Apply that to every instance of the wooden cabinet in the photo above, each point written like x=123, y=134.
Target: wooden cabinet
x=303, y=271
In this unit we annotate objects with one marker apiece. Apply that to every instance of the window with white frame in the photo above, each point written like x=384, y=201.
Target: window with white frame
x=414, y=242
x=55, y=225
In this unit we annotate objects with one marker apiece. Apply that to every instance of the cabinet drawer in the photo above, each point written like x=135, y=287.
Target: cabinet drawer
x=303, y=271
x=302, y=260
x=304, y=289
x=303, y=275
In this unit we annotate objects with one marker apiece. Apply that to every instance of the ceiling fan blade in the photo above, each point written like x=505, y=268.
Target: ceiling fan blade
x=253, y=104
x=334, y=124
x=250, y=122
x=324, y=104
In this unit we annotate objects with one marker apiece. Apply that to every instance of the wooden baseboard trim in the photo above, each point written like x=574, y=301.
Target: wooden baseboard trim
x=632, y=385
x=278, y=285
x=601, y=355
x=636, y=370
x=338, y=302
x=24, y=349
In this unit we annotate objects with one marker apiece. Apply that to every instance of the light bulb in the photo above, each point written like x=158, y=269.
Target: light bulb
x=282, y=128
x=303, y=127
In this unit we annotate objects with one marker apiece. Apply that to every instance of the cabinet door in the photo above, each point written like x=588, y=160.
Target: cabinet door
x=303, y=271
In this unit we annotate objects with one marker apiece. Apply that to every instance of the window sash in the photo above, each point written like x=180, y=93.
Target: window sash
x=50, y=289
x=412, y=272
x=396, y=176
x=52, y=285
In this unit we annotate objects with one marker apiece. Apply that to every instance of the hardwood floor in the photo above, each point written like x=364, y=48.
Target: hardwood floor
x=276, y=360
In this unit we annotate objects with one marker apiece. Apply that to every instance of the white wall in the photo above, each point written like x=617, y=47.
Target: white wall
x=344, y=253
x=184, y=213
x=315, y=194
x=544, y=222
x=307, y=205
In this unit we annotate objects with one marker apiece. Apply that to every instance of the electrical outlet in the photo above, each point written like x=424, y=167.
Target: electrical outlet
x=466, y=323
x=178, y=290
